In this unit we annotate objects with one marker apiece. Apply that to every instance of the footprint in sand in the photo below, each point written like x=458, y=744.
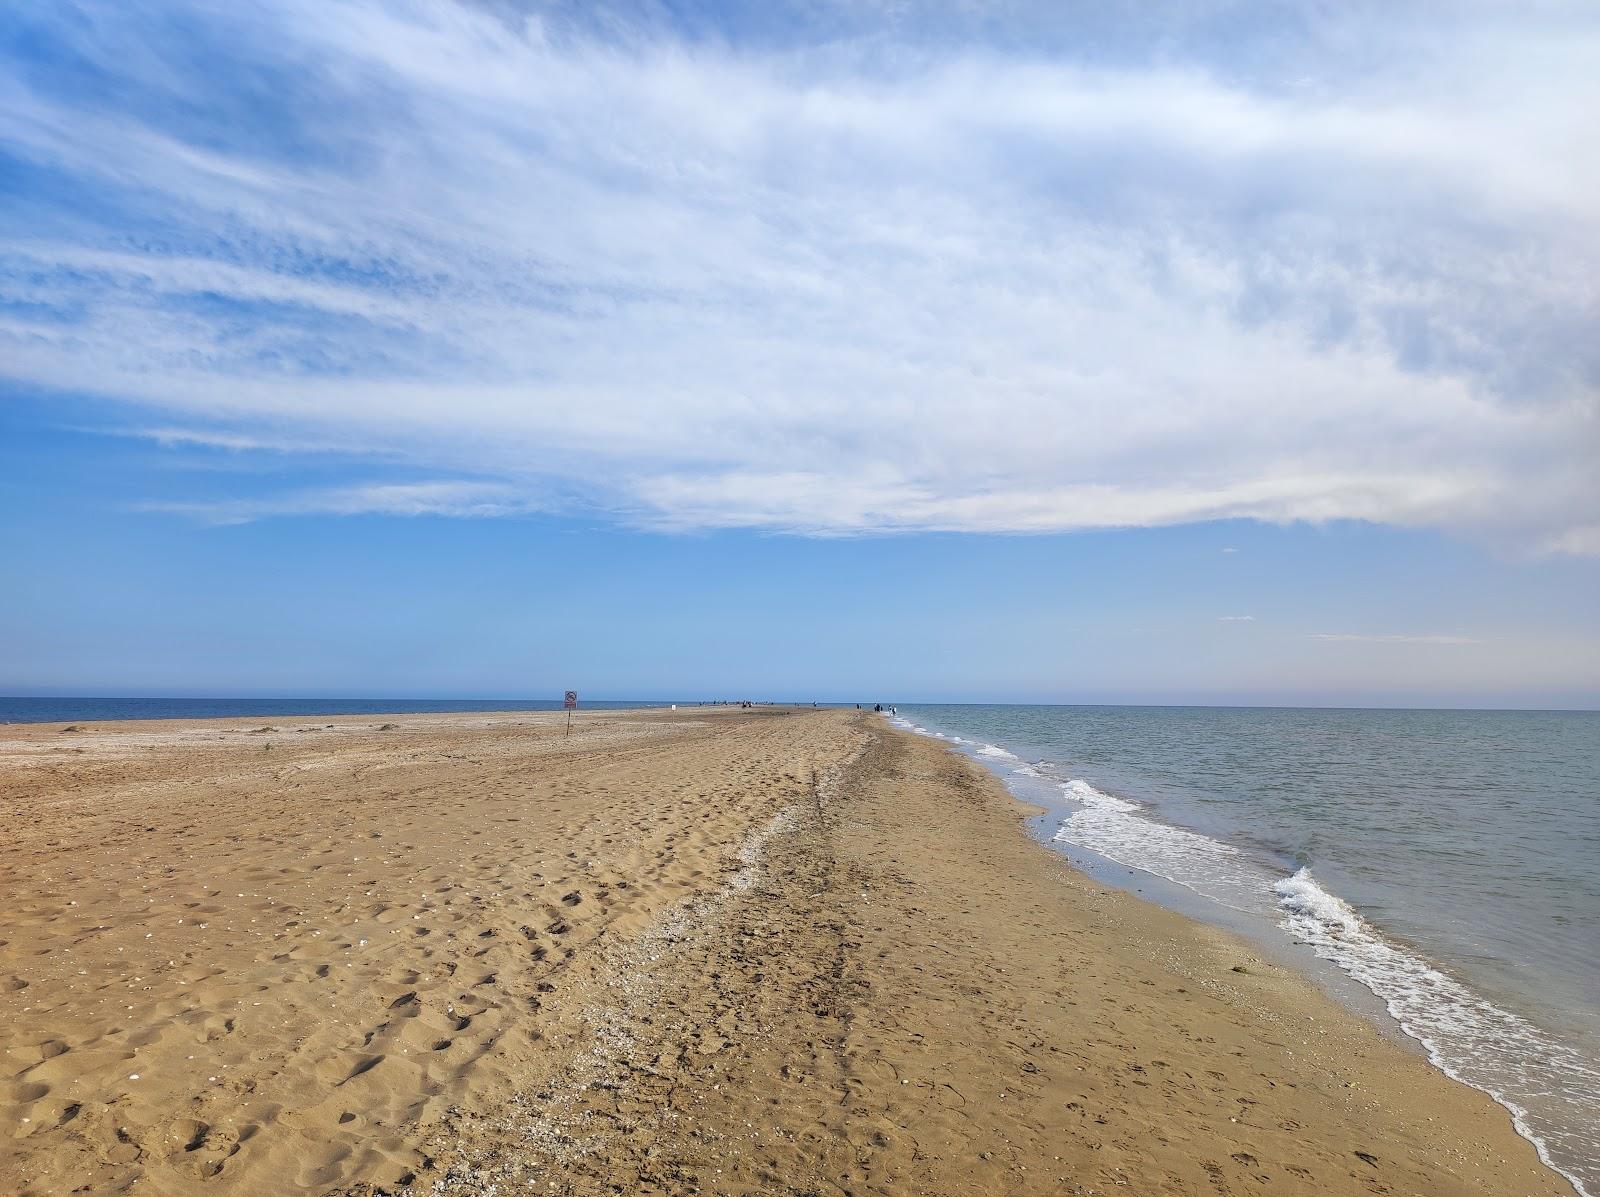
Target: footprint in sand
x=127, y=1150
x=363, y=1067
x=192, y=1134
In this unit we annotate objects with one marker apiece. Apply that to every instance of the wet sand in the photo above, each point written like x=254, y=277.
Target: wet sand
x=681, y=952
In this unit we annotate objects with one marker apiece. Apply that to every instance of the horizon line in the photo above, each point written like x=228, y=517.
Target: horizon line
x=831, y=702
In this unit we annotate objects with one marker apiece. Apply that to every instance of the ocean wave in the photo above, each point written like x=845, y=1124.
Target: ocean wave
x=1117, y=829
x=997, y=753
x=1465, y=1035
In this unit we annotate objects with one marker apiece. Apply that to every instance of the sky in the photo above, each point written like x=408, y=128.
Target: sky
x=1157, y=352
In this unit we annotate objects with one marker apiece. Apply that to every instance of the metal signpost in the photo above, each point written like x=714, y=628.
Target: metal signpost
x=570, y=702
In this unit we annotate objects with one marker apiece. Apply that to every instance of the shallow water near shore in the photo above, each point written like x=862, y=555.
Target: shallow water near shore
x=1443, y=860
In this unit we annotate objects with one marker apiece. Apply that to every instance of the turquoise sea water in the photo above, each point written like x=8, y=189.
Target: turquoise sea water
x=1449, y=861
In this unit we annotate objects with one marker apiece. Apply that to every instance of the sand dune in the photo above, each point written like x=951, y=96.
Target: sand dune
x=716, y=952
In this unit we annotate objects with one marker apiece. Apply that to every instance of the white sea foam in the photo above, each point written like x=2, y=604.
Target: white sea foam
x=1466, y=1035
x=1001, y=754
x=1116, y=829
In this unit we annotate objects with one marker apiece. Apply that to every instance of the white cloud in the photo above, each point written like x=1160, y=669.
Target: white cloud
x=1393, y=638
x=840, y=291
x=1236, y=619
x=237, y=442
x=1579, y=541
x=454, y=499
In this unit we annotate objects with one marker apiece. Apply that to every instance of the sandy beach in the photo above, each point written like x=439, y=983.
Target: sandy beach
x=694, y=951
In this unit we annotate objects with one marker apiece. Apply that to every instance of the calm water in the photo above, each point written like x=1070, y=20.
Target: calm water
x=1449, y=861
x=88, y=710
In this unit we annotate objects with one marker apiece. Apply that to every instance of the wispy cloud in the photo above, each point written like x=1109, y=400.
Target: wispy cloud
x=878, y=283
x=465, y=500
x=1397, y=638
x=1236, y=619
x=225, y=440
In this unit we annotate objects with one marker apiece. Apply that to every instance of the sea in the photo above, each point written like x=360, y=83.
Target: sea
x=1439, y=870
x=89, y=710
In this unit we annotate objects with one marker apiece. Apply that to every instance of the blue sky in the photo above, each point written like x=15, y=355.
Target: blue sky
x=1187, y=352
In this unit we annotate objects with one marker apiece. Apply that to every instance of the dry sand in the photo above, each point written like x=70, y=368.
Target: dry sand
x=682, y=952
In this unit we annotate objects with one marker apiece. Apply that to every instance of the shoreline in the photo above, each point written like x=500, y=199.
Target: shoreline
x=708, y=950
x=1343, y=980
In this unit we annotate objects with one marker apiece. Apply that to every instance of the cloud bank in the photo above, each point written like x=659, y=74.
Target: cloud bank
x=843, y=284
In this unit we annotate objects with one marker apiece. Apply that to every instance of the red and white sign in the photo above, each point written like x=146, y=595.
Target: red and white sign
x=571, y=699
